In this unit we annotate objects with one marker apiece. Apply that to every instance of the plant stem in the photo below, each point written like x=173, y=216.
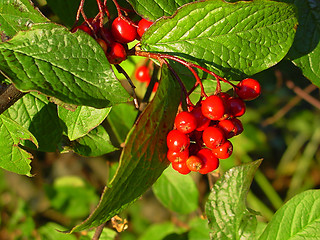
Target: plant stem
x=9, y=96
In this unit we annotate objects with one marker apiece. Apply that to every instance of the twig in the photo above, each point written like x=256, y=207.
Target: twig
x=98, y=232
x=9, y=96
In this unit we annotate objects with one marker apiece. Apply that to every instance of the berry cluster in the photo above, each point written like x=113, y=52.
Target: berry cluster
x=114, y=37
x=201, y=134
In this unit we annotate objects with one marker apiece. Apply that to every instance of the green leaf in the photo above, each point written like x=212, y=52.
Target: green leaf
x=34, y=112
x=121, y=120
x=154, y=9
x=12, y=157
x=69, y=66
x=199, y=229
x=81, y=121
x=305, y=50
x=231, y=39
x=143, y=158
x=107, y=234
x=17, y=15
x=158, y=231
x=71, y=196
x=299, y=218
x=95, y=143
x=49, y=232
x=176, y=191
x=226, y=209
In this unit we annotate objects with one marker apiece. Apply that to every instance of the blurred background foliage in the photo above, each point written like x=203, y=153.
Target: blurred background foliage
x=281, y=126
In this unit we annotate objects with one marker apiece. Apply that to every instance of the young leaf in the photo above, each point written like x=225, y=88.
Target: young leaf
x=69, y=66
x=299, y=218
x=177, y=192
x=305, y=50
x=154, y=9
x=34, y=112
x=226, y=209
x=143, y=158
x=95, y=143
x=232, y=39
x=17, y=15
x=81, y=121
x=12, y=157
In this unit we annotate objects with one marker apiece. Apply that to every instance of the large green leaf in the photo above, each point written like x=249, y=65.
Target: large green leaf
x=299, y=218
x=154, y=9
x=17, y=15
x=35, y=113
x=12, y=157
x=305, y=51
x=79, y=122
x=95, y=143
x=232, y=39
x=176, y=191
x=226, y=208
x=144, y=156
x=69, y=66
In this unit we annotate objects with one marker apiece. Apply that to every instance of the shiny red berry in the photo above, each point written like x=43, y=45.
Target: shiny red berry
x=194, y=163
x=202, y=121
x=181, y=167
x=116, y=53
x=213, y=107
x=224, y=151
x=143, y=25
x=236, y=107
x=210, y=161
x=228, y=127
x=213, y=137
x=83, y=28
x=248, y=89
x=142, y=74
x=123, y=31
x=178, y=156
x=177, y=141
x=185, y=122
x=238, y=126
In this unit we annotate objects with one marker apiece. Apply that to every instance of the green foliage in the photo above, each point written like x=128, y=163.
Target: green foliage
x=242, y=39
x=178, y=193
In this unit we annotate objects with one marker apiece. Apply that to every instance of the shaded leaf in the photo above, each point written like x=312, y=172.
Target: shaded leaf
x=34, y=112
x=12, y=157
x=95, y=143
x=17, y=15
x=143, y=158
x=305, y=50
x=232, y=39
x=176, y=191
x=299, y=218
x=226, y=209
x=79, y=122
x=69, y=66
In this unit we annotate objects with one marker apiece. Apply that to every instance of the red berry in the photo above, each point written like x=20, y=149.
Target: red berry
x=237, y=107
x=202, y=121
x=213, y=137
x=116, y=53
x=238, y=126
x=194, y=163
x=181, y=167
x=213, y=107
x=178, y=156
x=210, y=161
x=177, y=141
x=106, y=35
x=83, y=28
x=95, y=25
x=103, y=44
x=248, y=89
x=185, y=122
x=228, y=127
x=143, y=25
x=224, y=151
x=123, y=31
x=142, y=74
